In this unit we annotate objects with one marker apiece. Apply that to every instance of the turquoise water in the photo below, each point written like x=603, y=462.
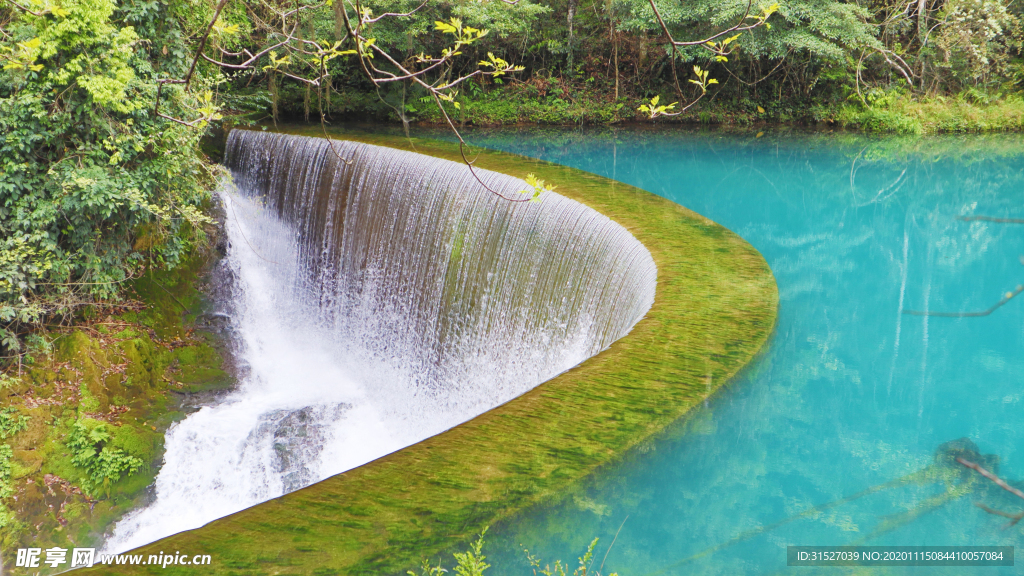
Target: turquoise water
x=851, y=395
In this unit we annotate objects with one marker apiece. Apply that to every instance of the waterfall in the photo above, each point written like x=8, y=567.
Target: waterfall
x=382, y=297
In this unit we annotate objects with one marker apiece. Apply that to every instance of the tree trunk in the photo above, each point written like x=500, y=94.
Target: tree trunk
x=615, y=45
x=272, y=88
x=922, y=20
x=572, y=41
x=616, y=40
x=339, y=20
x=305, y=99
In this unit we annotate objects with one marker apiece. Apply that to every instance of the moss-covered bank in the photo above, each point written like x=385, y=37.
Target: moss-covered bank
x=116, y=380
x=715, y=307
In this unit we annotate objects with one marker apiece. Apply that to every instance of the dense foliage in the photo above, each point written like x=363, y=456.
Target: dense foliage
x=92, y=184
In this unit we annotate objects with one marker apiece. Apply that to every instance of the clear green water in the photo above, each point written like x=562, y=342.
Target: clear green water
x=851, y=394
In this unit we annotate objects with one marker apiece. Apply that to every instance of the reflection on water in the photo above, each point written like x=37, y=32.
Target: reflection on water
x=831, y=437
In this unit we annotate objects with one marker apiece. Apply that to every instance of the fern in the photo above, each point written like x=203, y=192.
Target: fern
x=103, y=464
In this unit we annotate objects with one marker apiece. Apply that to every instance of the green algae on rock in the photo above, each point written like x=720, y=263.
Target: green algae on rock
x=714, y=310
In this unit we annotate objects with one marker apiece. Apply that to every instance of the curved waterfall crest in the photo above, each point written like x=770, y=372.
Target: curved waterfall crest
x=443, y=275
x=380, y=298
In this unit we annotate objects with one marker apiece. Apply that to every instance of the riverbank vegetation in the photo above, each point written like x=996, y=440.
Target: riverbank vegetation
x=909, y=67
x=100, y=199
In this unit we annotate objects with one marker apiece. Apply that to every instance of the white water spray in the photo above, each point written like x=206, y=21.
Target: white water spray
x=381, y=298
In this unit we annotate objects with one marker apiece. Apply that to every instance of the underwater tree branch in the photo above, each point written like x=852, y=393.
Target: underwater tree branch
x=996, y=479
x=1006, y=298
x=612, y=544
x=1014, y=518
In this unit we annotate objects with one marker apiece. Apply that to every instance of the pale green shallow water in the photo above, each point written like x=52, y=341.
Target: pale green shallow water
x=851, y=393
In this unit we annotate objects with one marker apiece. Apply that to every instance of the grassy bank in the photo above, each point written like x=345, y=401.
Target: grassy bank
x=938, y=115
x=86, y=416
x=715, y=307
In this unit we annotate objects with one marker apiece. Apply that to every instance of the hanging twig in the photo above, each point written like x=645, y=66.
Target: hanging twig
x=467, y=161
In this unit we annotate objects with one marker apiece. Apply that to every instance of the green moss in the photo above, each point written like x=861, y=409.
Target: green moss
x=87, y=401
x=714, y=309
x=116, y=372
x=197, y=368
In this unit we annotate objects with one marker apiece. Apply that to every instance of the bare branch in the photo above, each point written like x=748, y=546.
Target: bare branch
x=300, y=78
x=302, y=8
x=23, y=9
x=202, y=42
x=397, y=14
x=904, y=69
x=738, y=27
x=248, y=64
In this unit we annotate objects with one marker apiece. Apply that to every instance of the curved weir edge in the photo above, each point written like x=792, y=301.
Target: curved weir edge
x=715, y=308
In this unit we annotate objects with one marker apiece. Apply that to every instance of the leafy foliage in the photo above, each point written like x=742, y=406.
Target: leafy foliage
x=817, y=28
x=537, y=187
x=472, y=562
x=10, y=423
x=6, y=490
x=976, y=38
x=654, y=109
x=103, y=464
